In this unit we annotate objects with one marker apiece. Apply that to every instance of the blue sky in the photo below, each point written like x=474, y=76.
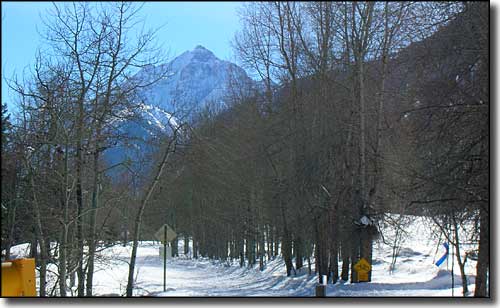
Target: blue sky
x=186, y=24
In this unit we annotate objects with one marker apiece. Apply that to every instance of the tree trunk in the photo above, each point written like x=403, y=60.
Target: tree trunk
x=366, y=248
x=63, y=246
x=93, y=214
x=321, y=250
x=175, y=247
x=333, y=268
x=297, y=245
x=261, y=248
x=286, y=246
x=309, y=264
x=287, y=253
x=11, y=214
x=70, y=264
x=269, y=243
x=39, y=235
x=360, y=53
x=195, y=247
x=355, y=255
x=186, y=245
x=241, y=249
x=461, y=265
x=247, y=252
x=138, y=218
x=344, y=275
x=79, y=198
x=483, y=262
x=63, y=261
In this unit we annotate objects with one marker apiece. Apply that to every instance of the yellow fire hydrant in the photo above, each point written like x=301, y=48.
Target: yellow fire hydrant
x=18, y=278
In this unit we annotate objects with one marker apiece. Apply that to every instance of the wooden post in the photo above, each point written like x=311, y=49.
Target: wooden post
x=320, y=290
x=321, y=287
x=165, y=259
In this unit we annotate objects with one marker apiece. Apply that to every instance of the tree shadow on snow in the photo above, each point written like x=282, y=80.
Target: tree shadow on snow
x=441, y=281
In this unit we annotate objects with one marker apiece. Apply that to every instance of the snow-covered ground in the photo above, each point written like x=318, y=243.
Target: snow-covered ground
x=414, y=274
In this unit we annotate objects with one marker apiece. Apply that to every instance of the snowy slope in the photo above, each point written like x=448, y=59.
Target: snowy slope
x=414, y=275
x=194, y=79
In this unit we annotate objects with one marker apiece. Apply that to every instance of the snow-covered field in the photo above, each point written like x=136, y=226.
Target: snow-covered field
x=414, y=274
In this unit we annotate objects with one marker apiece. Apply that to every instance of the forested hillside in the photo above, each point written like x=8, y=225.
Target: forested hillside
x=363, y=110
x=288, y=171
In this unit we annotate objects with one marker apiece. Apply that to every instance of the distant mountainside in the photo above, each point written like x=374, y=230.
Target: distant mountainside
x=194, y=79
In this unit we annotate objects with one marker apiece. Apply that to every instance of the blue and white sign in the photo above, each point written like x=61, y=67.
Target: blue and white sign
x=441, y=260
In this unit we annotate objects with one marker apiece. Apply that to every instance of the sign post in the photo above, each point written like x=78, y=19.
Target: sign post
x=165, y=234
x=165, y=230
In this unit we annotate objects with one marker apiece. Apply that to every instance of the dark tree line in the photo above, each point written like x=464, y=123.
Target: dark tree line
x=70, y=110
x=362, y=109
x=359, y=114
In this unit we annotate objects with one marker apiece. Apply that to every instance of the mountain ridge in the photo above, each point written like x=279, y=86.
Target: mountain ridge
x=193, y=79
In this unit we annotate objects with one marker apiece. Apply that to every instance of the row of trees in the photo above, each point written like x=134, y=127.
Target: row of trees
x=55, y=184
x=363, y=112
x=363, y=109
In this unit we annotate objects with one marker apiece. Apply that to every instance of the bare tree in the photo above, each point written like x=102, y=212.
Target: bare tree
x=169, y=149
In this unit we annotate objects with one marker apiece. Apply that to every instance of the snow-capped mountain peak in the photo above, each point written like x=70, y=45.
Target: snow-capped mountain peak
x=194, y=78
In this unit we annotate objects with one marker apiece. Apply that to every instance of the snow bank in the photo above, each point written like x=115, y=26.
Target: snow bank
x=414, y=274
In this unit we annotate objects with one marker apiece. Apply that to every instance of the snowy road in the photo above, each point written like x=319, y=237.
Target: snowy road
x=414, y=275
x=205, y=279
x=202, y=277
